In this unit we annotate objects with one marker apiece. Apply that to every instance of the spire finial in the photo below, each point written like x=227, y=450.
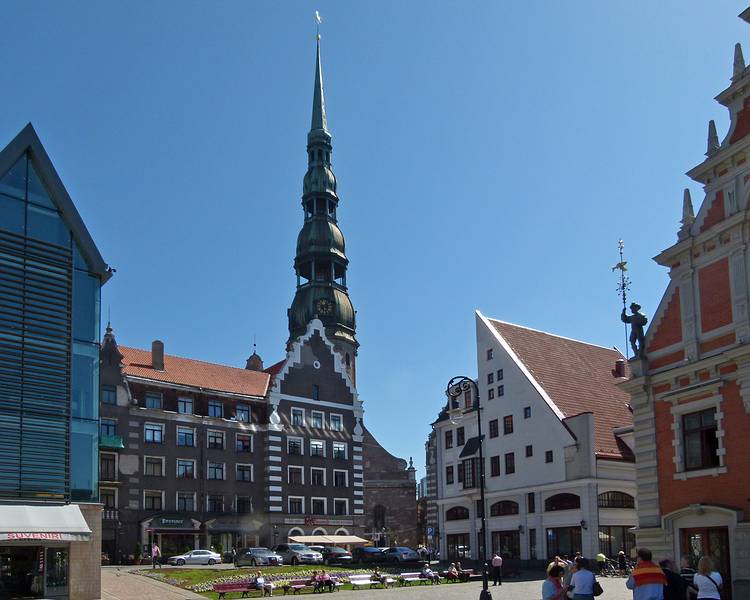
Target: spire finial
x=688, y=216
x=713, y=139
x=319, y=105
x=739, y=62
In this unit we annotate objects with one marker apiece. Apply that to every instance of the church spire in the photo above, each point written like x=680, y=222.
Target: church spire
x=319, y=103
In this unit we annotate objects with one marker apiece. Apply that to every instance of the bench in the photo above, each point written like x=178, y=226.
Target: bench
x=296, y=586
x=360, y=581
x=243, y=587
x=409, y=578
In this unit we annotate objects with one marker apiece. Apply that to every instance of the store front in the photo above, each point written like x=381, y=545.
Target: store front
x=174, y=534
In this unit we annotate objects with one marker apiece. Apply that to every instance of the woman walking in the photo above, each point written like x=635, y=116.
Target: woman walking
x=583, y=580
x=552, y=588
x=707, y=580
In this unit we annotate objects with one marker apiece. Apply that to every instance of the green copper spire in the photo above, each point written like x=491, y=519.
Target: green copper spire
x=319, y=103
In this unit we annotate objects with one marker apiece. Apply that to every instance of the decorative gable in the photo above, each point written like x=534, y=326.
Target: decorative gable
x=667, y=326
x=715, y=213
x=715, y=295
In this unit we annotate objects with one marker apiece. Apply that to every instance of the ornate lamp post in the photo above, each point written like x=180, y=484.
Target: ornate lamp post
x=458, y=386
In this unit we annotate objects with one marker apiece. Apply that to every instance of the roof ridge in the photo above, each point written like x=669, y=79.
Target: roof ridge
x=556, y=335
x=198, y=360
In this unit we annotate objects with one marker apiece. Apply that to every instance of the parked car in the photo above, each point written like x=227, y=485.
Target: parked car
x=295, y=554
x=254, y=557
x=196, y=557
x=333, y=555
x=400, y=554
x=368, y=554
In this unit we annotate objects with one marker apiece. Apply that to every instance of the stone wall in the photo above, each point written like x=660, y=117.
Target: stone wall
x=85, y=558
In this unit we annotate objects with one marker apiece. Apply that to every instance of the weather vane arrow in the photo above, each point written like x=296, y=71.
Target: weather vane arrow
x=623, y=286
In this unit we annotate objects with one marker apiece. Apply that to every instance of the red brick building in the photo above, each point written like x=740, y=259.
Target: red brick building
x=691, y=393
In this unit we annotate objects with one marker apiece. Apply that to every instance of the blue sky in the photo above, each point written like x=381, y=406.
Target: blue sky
x=489, y=155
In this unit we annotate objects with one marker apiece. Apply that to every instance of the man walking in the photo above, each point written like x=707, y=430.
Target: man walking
x=497, y=569
x=155, y=556
x=647, y=580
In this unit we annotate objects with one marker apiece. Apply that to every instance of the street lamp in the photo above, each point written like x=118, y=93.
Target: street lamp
x=456, y=387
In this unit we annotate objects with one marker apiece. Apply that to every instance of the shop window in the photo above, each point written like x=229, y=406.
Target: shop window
x=458, y=546
x=507, y=543
x=57, y=572
x=562, y=502
x=615, y=538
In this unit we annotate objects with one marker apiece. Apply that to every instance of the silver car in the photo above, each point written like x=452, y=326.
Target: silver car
x=296, y=554
x=196, y=557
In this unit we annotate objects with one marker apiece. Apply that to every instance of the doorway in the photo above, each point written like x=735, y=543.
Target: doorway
x=21, y=572
x=709, y=541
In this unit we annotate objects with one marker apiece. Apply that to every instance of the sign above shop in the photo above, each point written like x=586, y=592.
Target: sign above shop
x=50, y=536
x=172, y=523
x=309, y=521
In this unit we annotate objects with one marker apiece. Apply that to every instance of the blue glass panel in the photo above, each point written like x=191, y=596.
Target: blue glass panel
x=12, y=214
x=85, y=376
x=37, y=193
x=46, y=225
x=84, y=453
x=86, y=298
x=13, y=182
x=78, y=261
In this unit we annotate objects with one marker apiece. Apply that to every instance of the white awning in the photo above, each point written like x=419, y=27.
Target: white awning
x=327, y=539
x=45, y=523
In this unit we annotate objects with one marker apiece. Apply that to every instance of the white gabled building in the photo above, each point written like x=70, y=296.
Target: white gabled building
x=558, y=450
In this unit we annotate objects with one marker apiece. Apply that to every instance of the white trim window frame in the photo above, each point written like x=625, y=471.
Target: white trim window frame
x=116, y=468
x=212, y=433
x=239, y=435
x=153, y=427
x=289, y=504
x=193, y=469
x=680, y=410
x=317, y=469
x=325, y=505
x=340, y=419
x=317, y=419
x=183, y=402
x=346, y=501
x=211, y=406
x=319, y=444
x=177, y=501
x=117, y=496
x=297, y=468
x=215, y=467
x=297, y=416
x=182, y=429
x=244, y=407
x=153, y=495
x=160, y=459
x=341, y=445
x=237, y=471
x=346, y=478
x=209, y=497
x=301, y=443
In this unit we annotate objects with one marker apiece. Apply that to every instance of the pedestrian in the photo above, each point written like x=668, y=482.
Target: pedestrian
x=622, y=563
x=601, y=561
x=647, y=580
x=497, y=569
x=688, y=574
x=707, y=580
x=676, y=588
x=583, y=580
x=552, y=588
x=155, y=556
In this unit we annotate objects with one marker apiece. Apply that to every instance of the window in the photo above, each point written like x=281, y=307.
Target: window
x=215, y=409
x=530, y=502
x=107, y=427
x=316, y=392
x=244, y=472
x=491, y=394
x=449, y=474
x=185, y=405
x=318, y=506
x=526, y=412
x=185, y=436
x=153, y=433
x=152, y=500
x=449, y=438
x=467, y=399
x=215, y=439
x=107, y=467
x=317, y=448
x=109, y=394
x=500, y=390
x=337, y=422
x=340, y=506
x=548, y=457
x=317, y=476
x=616, y=500
x=508, y=543
x=153, y=466
x=470, y=468
x=185, y=501
x=296, y=505
x=108, y=498
x=153, y=400
x=508, y=424
x=494, y=431
x=215, y=470
x=615, y=538
x=242, y=413
x=499, y=374
x=298, y=417
x=699, y=440
x=340, y=478
x=295, y=475
x=460, y=437
x=460, y=472
x=494, y=466
x=243, y=442
x=294, y=446
x=457, y=513
x=339, y=450
x=529, y=451
x=185, y=469
x=532, y=544
x=562, y=502
x=244, y=505
x=316, y=419
x=490, y=353
x=490, y=378
x=214, y=503
x=504, y=507
x=510, y=463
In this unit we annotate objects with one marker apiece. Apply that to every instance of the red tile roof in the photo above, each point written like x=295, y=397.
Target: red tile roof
x=578, y=378
x=195, y=373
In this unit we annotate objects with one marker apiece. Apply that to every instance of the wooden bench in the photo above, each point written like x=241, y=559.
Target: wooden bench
x=409, y=578
x=296, y=586
x=243, y=587
x=360, y=581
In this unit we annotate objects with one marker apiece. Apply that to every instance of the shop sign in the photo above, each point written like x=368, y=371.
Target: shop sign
x=311, y=521
x=173, y=523
x=56, y=537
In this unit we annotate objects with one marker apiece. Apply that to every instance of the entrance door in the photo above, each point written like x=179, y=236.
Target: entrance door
x=21, y=572
x=713, y=542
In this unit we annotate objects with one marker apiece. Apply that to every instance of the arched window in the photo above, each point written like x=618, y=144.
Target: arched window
x=320, y=531
x=616, y=500
x=295, y=531
x=457, y=513
x=341, y=531
x=562, y=502
x=378, y=517
x=504, y=507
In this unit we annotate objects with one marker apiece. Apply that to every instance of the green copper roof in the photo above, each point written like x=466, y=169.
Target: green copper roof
x=319, y=103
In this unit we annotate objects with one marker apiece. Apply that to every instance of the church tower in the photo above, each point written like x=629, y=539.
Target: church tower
x=320, y=262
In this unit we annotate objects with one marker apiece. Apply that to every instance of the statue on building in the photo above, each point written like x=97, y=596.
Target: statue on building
x=637, y=322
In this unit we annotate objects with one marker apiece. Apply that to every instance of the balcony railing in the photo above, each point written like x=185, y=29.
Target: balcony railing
x=110, y=514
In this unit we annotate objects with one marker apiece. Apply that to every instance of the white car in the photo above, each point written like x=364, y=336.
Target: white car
x=196, y=557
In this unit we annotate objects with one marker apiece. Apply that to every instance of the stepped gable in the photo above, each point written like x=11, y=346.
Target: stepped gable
x=578, y=378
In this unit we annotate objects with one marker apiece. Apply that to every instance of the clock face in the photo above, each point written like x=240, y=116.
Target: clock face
x=324, y=307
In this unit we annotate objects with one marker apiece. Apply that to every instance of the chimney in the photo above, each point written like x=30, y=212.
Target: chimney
x=157, y=355
x=619, y=370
